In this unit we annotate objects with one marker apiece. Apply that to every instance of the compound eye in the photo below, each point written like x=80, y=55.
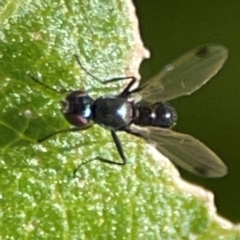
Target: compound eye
x=76, y=120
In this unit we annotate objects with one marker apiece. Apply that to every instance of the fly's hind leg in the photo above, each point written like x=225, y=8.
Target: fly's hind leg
x=120, y=151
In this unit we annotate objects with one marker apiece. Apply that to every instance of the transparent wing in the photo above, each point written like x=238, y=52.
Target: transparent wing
x=184, y=150
x=185, y=75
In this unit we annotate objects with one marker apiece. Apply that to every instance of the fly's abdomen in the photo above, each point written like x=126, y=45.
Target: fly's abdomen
x=159, y=114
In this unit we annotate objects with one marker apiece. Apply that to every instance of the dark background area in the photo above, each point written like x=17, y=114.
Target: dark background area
x=170, y=28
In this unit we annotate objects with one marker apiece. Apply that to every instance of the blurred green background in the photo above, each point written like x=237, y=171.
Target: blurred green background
x=170, y=28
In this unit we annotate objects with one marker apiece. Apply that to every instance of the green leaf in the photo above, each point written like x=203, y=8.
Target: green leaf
x=38, y=197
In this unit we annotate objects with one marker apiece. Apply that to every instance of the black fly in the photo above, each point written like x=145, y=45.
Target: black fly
x=152, y=117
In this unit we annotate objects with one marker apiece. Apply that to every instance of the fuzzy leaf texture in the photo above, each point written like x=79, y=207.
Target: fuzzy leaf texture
x=38, y=197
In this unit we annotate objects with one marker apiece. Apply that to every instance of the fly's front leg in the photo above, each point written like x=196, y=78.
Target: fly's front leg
x=98, y=79
x=36, y=80
x=63, y=131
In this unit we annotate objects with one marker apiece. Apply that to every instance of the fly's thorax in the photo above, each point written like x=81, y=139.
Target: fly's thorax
x=160, y=114
x=113, y=112
x=77, y=108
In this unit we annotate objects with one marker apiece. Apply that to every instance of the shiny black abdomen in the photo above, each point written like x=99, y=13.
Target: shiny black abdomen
x=159, y=114
x=112, y=112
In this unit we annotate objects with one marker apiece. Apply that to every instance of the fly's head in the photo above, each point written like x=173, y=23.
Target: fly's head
x=77, y=108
